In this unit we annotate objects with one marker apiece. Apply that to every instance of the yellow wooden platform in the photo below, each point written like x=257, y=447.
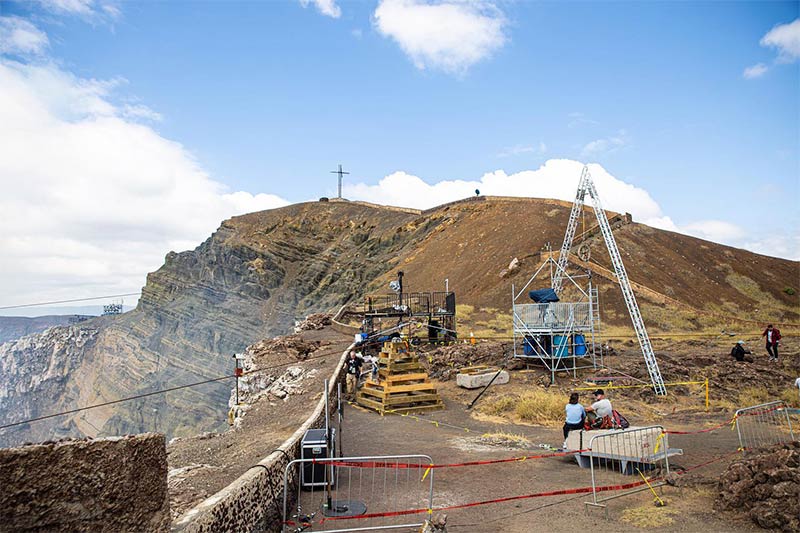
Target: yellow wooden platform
x=402, y=385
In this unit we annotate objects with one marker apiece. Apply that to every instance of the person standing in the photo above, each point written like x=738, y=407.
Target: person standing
x=773, y=337
x=797, y=384
x=353, y=369
x=575, y=415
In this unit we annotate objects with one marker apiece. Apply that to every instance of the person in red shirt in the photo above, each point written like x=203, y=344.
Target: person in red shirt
x=773, y=336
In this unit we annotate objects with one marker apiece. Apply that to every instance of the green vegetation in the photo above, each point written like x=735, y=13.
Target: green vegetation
x=790, y=291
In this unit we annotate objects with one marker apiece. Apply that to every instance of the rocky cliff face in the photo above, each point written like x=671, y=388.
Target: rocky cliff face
x=260, y=272
x=249, y=281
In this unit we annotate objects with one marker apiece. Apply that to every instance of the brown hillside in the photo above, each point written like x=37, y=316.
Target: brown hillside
x=471, y=242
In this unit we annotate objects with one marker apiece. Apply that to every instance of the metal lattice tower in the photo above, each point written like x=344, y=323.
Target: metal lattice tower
x=585, y=185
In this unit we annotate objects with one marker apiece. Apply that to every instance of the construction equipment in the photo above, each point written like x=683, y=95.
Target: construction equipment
x=383, y=315
x=586, y=185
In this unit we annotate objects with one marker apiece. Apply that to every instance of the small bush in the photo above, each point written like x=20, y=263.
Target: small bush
x=790, y=291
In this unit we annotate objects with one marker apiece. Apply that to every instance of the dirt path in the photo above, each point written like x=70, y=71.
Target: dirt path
x=689, y=508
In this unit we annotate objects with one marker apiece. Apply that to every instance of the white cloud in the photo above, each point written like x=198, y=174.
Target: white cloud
x=558, y=178
x=20, y=37
x=139, y=111
x=714, y=230
x=520, y=149
x=79, y=7
x=92, y=200
x=87, y=9
x=777, y=245
x=447, y=35
x=577, y=119
x=326, y=7
x=606, y=145
x=755, y=71
x=786, y=39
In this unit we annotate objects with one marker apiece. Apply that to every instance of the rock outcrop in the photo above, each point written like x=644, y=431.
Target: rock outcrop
x=766, y=485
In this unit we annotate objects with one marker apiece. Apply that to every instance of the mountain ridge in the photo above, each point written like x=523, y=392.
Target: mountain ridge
x=260, y=272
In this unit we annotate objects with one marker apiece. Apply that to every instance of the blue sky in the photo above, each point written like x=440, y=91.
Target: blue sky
x=267, y=97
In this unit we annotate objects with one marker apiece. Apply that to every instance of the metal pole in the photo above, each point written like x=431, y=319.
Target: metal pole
x=328, y=447
x=486, y=387
x=341, y=415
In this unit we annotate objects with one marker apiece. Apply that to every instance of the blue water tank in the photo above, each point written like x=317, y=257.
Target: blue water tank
x=580, y=344
x=527, y=346
x=560, y=345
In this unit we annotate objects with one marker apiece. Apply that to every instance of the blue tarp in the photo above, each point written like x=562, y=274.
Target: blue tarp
x=543, y=296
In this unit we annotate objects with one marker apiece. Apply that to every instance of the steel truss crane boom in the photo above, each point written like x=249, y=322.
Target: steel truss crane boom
x=586, y=185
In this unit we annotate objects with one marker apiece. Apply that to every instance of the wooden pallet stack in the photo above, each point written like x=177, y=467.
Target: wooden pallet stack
x=403, y=385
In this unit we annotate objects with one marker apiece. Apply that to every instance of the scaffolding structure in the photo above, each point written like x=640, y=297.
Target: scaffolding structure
x=562, y=336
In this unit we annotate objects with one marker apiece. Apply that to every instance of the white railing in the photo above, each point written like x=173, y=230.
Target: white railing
x=552, y=316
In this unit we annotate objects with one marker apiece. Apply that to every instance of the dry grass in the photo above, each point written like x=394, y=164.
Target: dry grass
x=539, y=407
x=649, y=516
x=464, y=311
x=533, y=407
x=791, y=397
x=749, y=396
x=500, y=406
x=506, y=437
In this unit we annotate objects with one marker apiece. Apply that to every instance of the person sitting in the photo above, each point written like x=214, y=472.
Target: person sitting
x=740, y=353
x=598, y=415
x=575, y=415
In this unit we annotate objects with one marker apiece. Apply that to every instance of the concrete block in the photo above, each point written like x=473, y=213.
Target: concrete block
x=475, y=380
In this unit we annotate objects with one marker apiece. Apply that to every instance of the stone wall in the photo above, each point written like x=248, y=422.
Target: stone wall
x=253, y=503
x=114, y=484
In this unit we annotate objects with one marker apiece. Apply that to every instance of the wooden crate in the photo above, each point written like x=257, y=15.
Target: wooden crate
x=402, y=385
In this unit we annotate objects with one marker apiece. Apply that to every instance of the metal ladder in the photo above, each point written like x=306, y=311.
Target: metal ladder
x=587, y=186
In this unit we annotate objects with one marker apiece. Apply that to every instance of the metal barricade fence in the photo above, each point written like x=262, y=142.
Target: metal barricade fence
x=623, y=461
x=764, y=425
x=363, y=495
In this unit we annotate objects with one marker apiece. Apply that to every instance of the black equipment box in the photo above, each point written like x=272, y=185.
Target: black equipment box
x=315, y=446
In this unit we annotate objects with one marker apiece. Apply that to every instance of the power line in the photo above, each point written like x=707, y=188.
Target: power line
x=70, y=301
x=153, y=393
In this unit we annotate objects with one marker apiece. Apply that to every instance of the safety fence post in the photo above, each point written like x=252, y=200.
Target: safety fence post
x=765, y=424
x=618, y=458
x=368, y=493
